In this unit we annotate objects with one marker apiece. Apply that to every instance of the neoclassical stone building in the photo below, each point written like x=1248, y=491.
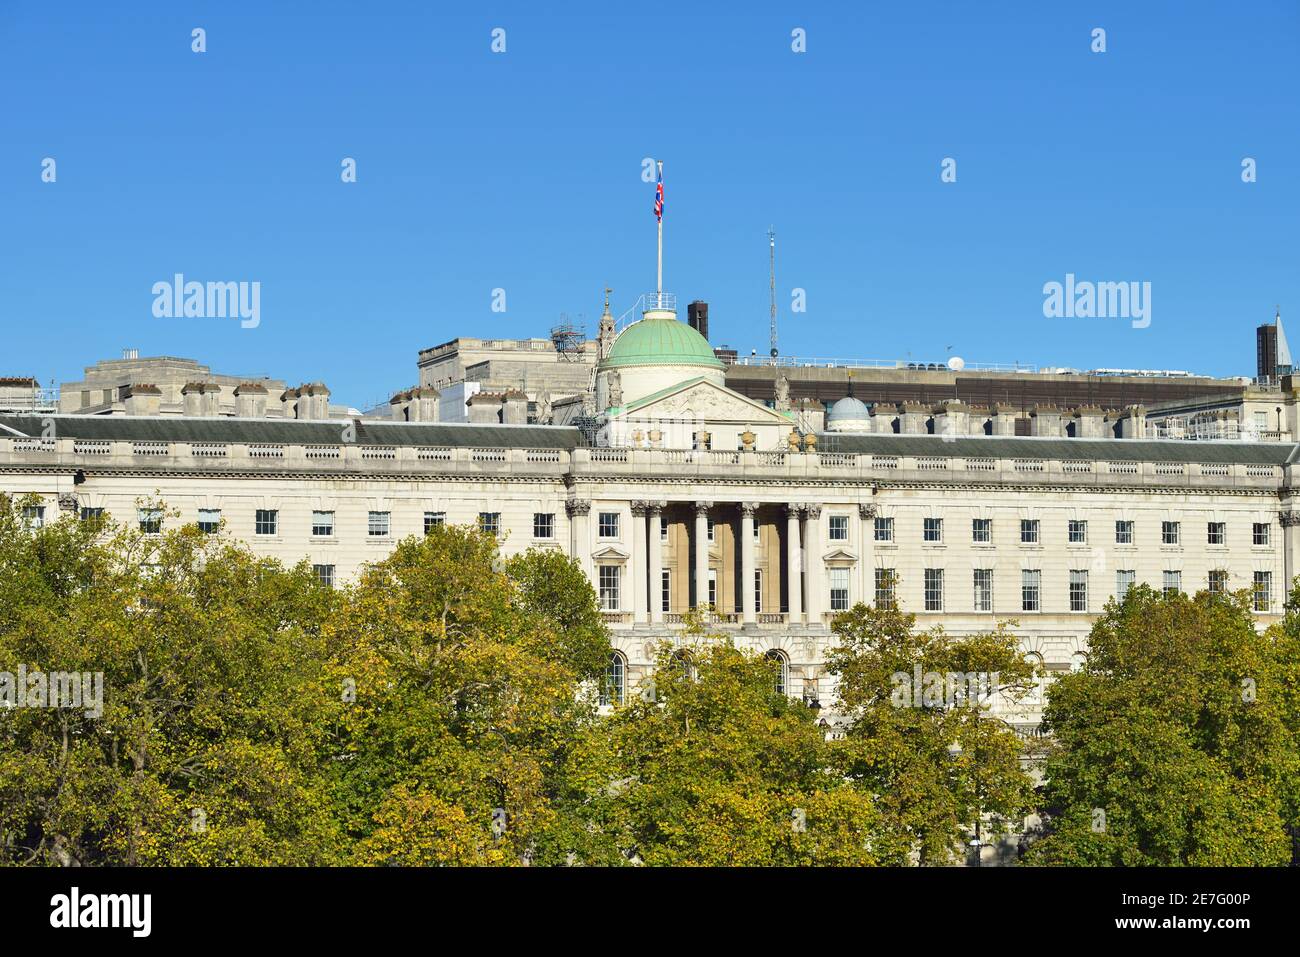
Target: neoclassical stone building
x=695, y=495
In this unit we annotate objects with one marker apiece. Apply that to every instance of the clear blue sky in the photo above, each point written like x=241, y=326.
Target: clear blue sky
x=522, y=171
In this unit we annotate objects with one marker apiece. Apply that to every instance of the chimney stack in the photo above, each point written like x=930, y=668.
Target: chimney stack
x=250, y=400
x=142, y=399
x=697, y=317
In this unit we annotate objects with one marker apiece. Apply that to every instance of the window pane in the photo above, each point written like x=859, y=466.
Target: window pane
x=322, y=523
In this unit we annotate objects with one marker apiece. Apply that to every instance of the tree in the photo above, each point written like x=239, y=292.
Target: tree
x=465, y=742
x=713, y=766
x=212, y=724
x=1176, y=744
x=920, y=741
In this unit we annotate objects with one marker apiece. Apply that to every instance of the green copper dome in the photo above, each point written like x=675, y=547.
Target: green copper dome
x=660, y=341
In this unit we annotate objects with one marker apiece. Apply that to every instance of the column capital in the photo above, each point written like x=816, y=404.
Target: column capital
x=813, y=510
x=656, y=507
x=747, y=509
x=640, y=508
x=1288, y=519
x=577, y=506
x=866, y=511
x=794, y=509
x=702, y=506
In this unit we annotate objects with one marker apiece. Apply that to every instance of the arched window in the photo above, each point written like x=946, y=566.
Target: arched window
x=613, y=690
x=1037, y=695
x=782, y=670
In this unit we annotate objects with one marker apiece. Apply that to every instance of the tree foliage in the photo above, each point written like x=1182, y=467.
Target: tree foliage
x=1176, y=744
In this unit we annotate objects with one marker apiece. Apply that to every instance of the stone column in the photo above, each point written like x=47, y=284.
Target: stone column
x=748, y=615
x=656, y=569
x=793, y=563
x=636, y=568
x=1290, y=522
x=813, y=570
x=866, y=553
x=580, y=534
x=702, y=554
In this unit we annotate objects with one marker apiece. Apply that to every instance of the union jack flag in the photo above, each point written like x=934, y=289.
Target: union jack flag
x=659, y=197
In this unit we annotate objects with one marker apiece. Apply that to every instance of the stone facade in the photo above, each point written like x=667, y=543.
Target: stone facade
x=775, y=542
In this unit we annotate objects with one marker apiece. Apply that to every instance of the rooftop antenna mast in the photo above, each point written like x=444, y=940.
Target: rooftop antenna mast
x=771, y=281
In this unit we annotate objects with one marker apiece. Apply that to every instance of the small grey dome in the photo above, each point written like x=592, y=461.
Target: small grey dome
x=848, y=415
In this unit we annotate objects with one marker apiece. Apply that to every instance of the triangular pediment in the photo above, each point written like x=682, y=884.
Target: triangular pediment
x=704, y=400
x=610, y=553
x=840, y=556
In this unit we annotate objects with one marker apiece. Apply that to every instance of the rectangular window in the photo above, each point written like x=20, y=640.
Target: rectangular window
x=710, y=535
x=1030, y=590
x=609, y=587
x=663, y=528
x=607, y=525
x=1263, y=591
x=1216, y=533
x=839, y=589
x=322, y=523
x=434, y=519
x=265, y=521
x=88, y=514
x=934, y=589
x=489, y=522
x=1029, y=531
x=1123, y=533
x=1078, y=589
x=1260, y=533
x=934, y=530
x=150, y=519
x=377, y=524
x=886, y=578
x=34, y=516
x=981, y=531
x=1078, y=532
x=667, y=589
x=1125, y=578
x=543, y=525
x=983, y=589
x=884, y=529
x=713, y=587
x=757, y=526
x=1170, y=532
x=209, y=520
x=324, y=574
x=758, y=589
x=1173, y=583
x=1218, y=581
x=839, y=528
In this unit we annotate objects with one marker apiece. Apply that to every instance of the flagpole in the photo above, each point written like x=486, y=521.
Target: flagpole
x=659, y=283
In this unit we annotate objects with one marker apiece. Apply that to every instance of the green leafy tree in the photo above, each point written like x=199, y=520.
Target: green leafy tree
x=213, y=726
x=465, y=741
x=933, y=762
x=713, y=766
x=1176, y=744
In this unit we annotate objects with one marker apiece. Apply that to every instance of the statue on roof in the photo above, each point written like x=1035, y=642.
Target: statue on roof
x=782, y=393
